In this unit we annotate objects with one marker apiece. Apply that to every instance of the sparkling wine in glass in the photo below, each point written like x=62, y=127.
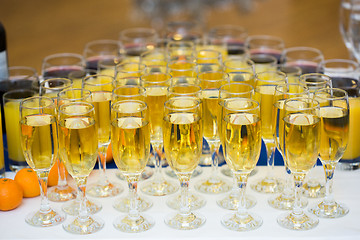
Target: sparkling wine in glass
x=302, y=133
x=183, y=146
x=241, y=138
x=334, y=114
x=101, y=87
x=78, y=145
x=39, y=143
x=130, y=138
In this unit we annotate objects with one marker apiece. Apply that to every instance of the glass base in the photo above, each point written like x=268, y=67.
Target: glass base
x=213, y=186
x=227, y=171
x=198, y=171
x=185, y=222
x=334, y=210
x=90, y=224
x=285, y=201
x=61, y=193
x=123, y=204
x=108, y=190
x=268, y=185
x=146, y=174
x=48, y=219
x=195, y=201
x=243, y=222
x=300, y=221
x=313, y=189
x=134, y=225
x=72, y=207
x=161, y=187
x=231, y=201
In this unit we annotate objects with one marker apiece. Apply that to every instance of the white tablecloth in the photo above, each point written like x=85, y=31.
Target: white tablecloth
x=346, y=190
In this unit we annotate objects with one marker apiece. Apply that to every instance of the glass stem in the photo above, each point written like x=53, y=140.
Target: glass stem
x=270, y=151
x=133, y=208
x=214, y=162
x=81, y=184
x=329, y=174
x=241, y=180
x=184, y=202
x=102, y=164
x=158, y=178
x=298, y=179
x=43, y=180
x=62, y=173
x=288, y=182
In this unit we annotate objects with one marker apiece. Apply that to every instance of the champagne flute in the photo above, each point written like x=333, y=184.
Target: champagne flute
x=265, y=45
x=68, y=96
x=130, y=137
x=301, y=140
x=62, y=191
x=180, y=50
x=39, y=143
x=101, y=87
x=156, y=85
x=78, y=145
x=208, y=60
x=240, y=70
x=285, y=200
x=210, y=83
x=334, y=114
x=313, y=188
x=183, y=146
x=181, y=89
x=154, y=60
x=241, y=138
x=265, y=84
x=182, y=68
x=230, y=91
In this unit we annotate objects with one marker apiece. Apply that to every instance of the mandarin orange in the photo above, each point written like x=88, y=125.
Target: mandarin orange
x=28, y=181
x=11, y=194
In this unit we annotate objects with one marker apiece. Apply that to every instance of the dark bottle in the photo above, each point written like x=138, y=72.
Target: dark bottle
x=3, y=54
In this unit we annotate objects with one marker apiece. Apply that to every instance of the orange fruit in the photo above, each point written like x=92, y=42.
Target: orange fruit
x=11, y=194
x=54, y=173
x=109, y=155
x=28, y=181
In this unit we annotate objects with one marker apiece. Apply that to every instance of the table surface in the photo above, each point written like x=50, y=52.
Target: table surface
x=39, y=28
x=346, y=190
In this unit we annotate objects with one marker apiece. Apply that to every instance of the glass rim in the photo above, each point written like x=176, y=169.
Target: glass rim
x=58, y=55
x=303, y=99
x=170, y=107
x=64, y=80
x=246, y=60
x=166, y=75
x=102, y=42
x=228, y=28
x=21, y=90
x=103, y=76
x=331, y=97
x=226, y=102
x=326, y=78
x=72, y=90
x=142, y=104
x=142, y=91
x=235, y=83
x=184, y=85
x=51, y=103
x=224, y=78
x=271, y=72
x=318, y=52
x=150, y=33
x=61, y=107
x=280, y=42
x=355, y=64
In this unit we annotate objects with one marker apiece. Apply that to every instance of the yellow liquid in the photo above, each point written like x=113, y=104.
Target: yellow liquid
x=242, y=141
x=334, y=133
x=302, y=141
x=210, y=112
x=78, y=145
x=2, y=163
x=130, y=141
x=155, y=99
x=39, y=141
x=265, y=96
x=183, y=141
x=353, y=150
x=278, y=123
x=101, y=102
x=12, y=119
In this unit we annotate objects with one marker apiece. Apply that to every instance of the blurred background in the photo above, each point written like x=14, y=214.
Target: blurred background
x=39, y=28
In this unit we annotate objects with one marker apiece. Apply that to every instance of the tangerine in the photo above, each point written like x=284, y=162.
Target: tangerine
x=11, y=194
x=28, y=181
